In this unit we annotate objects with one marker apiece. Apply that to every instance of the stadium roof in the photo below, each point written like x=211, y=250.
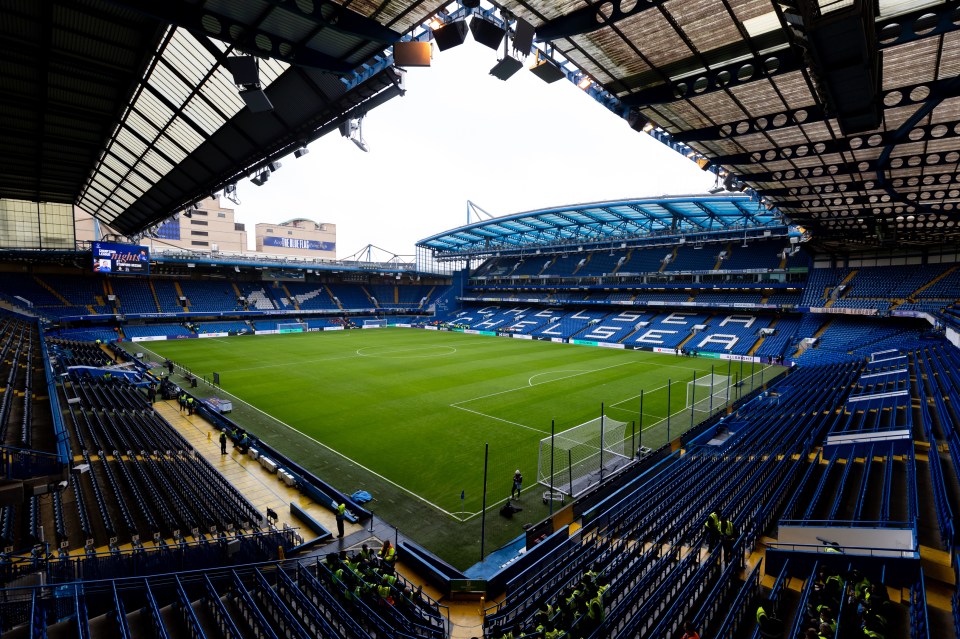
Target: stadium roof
x=844, y=115
x=126, y=109
x=602, y=221
x=848, y=121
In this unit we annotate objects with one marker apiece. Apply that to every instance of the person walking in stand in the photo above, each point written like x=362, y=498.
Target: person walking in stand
x=223, y=442
x=727, y=539
x=341, y=515
x=388, y=555
x=711, y=529
x=517, y=484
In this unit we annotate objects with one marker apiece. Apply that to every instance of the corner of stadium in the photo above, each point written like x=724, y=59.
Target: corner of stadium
x=724, y=414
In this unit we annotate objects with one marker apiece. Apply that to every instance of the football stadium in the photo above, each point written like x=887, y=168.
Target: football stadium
x=732, y=413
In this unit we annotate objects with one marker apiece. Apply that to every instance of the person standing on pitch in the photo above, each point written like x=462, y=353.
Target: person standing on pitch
x=517, y=484
x=341, y=515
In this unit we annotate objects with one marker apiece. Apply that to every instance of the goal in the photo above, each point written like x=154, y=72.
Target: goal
x=708, y=393
x=581, y=456
x=292, y=327
x=374, y=323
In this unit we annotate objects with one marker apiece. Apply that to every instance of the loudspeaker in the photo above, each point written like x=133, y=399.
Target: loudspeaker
x=506, y=68
x=244, y=69
x=523, y=36
x=547, y=71
x=450, y=35
x=486, y=33
x=411, y=54
x=256, y=100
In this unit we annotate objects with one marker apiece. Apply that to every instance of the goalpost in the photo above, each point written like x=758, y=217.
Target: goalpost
x=578, y=461
x=292, y=327
x=708, y=393
x=374, y=323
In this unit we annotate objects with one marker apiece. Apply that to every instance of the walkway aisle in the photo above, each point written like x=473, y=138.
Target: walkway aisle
x=262, y=489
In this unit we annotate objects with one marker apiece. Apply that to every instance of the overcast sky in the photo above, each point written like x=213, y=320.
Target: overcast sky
x=460, y=134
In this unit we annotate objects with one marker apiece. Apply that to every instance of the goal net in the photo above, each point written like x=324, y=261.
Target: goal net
x=580, y=457
x=709, y=393
x=292, y=327
x=374, y=323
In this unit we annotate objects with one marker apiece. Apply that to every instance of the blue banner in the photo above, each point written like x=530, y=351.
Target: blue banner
x=294, y=243
x=110, y=257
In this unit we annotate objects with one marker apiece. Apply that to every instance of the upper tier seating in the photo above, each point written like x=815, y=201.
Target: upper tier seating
x=259, y=296
x=167, y=296
x=351, y=296
x=208, y=295
x=134, y=295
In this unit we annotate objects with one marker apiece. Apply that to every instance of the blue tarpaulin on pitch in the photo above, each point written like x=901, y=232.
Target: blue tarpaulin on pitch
x=361, y=497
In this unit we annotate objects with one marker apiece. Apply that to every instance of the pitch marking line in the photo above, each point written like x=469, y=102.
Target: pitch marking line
x=386, y=353
x=336, y=452
x=511, y=390
x=572, y=370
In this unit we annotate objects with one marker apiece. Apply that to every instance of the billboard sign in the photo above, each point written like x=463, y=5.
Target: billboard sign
x=295, y=243
x=112, y=258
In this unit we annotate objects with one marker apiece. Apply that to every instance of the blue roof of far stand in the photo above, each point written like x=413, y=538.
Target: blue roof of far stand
x=602, y=221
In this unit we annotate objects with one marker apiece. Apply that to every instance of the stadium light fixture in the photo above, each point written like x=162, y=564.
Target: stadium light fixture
x=639, y=122
x=246, y=75
x=450, y=35
x=584, y=83
x=505, y=68
x=302, y=151
x=487, y=33
x=547, y=70
x=353, y=129
x=261, y=178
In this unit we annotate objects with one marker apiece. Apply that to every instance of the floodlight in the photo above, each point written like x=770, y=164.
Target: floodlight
x=523, y=36
x=353, y=129
x=640, y=122
x=260, y=178
x=731, y=183
x=244, y=69
x=548, y=71
x=256, y=100
x=411, y=54
x=504, y=69
x=302, y=151
x=486, y=32
x=188, y=213
x=273, y=167
x=449, y=35
x=715, y=190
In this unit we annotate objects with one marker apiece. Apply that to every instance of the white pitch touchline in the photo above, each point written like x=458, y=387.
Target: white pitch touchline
x=336, y=452
x=303, y=361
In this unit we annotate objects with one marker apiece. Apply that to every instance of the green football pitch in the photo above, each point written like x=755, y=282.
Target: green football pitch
x=416, y=408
